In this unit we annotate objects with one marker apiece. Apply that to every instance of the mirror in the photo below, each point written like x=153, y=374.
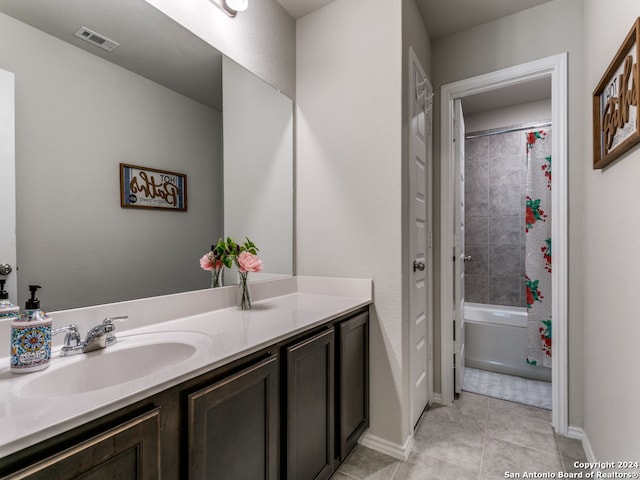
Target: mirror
x=155, y=101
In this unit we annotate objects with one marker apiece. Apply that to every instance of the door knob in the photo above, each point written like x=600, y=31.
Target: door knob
x=467, y=258
x=418, y=266
x=5, y=269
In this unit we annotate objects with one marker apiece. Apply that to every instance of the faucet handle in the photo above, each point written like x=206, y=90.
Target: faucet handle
x=111, y=338
x=110, y=320
x=72, y=339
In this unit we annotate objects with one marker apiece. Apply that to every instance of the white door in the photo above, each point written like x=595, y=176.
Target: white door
x=7, y=184
x=458, y=256
x=420, y=270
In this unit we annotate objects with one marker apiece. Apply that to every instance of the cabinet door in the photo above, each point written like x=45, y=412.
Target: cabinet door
x=233, y=426
x=130, y=451
x=310, y=408
x=353, y=381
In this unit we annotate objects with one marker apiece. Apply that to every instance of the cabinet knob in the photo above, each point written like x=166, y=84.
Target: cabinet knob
x=418, y=265
x=5, y=269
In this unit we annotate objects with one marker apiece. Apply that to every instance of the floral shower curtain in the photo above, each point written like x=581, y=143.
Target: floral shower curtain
x=538, y=247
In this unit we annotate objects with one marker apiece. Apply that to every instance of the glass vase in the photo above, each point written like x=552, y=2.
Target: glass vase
x=245, y=295
x=216, y=278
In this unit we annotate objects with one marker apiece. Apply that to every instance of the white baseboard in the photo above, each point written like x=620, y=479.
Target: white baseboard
x=437, y=398
x=395, y=450
x=579, y=434
x=575, y=432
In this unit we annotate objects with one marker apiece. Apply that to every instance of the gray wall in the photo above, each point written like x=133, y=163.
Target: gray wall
x=348, y=178
x=260, y=205
x=495, y=187
x=262, y=38
x=611, y=229
x=77, y=118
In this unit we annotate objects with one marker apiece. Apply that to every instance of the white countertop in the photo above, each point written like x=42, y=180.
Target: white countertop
x=222, y=335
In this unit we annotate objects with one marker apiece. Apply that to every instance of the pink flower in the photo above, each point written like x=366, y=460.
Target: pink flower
x=208, y=262
x=248, y=262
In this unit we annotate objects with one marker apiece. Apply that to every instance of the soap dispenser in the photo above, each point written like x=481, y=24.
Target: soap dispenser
x=31, y=337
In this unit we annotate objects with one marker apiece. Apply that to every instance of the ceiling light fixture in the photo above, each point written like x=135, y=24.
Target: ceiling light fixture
x=234, y=6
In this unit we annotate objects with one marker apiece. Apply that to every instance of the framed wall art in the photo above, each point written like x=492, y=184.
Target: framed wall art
x=143, y=187
x=615, y=103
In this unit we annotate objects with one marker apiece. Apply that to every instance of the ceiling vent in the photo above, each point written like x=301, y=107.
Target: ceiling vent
x=98, y=40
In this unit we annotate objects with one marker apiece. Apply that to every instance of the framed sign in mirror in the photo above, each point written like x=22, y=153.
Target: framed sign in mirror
x=615, y=103
x=143, y=187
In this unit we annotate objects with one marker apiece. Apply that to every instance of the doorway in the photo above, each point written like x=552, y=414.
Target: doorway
x=555, y=68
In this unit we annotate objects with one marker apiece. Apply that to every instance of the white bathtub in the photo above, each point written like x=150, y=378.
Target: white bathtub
x=496, y=340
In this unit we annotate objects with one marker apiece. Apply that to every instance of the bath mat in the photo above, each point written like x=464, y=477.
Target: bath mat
x=507, y=387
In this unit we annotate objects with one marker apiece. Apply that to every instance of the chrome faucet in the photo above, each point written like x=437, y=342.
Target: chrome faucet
x=100, y=336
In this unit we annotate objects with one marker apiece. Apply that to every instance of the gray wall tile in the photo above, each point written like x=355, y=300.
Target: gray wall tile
x=523, y=292
x=476, y=150
x=479, y=264
x=495, y=188
x=476, y=174
x=505, y=200
x=505, y=170
x=476, y=231
x=476, y=288
x=504, y=290
x=505, y=230
x=476, y=202
x=505, y=260
x=511, y=143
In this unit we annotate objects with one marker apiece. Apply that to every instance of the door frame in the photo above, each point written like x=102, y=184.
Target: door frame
x=415, y=61
x=459, y=204
x=554, y=67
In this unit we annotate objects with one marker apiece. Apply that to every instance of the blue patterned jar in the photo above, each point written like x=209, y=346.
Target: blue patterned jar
x=31, y=338
x=30, y=342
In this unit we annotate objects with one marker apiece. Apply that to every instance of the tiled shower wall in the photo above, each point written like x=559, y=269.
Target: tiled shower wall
x=495, y=188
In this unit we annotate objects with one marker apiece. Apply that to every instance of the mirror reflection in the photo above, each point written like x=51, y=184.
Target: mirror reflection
x=156, y=101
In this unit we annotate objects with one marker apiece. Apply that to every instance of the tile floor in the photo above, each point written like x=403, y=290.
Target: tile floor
x=476, y=438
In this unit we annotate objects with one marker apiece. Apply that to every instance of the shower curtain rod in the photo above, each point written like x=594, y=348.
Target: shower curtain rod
x=498, y=131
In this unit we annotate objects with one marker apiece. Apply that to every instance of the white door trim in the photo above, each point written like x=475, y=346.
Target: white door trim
x=458, y=243
x=556, y=68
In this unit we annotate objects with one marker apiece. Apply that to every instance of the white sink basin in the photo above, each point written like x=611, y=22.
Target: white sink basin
x=133, y=358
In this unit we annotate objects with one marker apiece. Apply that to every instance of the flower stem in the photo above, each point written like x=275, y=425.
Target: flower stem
x=245, y=297
x=216, y=277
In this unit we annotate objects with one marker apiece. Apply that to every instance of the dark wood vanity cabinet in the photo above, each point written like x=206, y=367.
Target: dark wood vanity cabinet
x=310, y=407
x=325, y=378
x=233, y=426
x=223, y=424
x=292, y=410
x=130, y=451
x=352, y=392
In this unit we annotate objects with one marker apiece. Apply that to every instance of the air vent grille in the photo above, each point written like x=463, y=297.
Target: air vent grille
x=95, y=38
